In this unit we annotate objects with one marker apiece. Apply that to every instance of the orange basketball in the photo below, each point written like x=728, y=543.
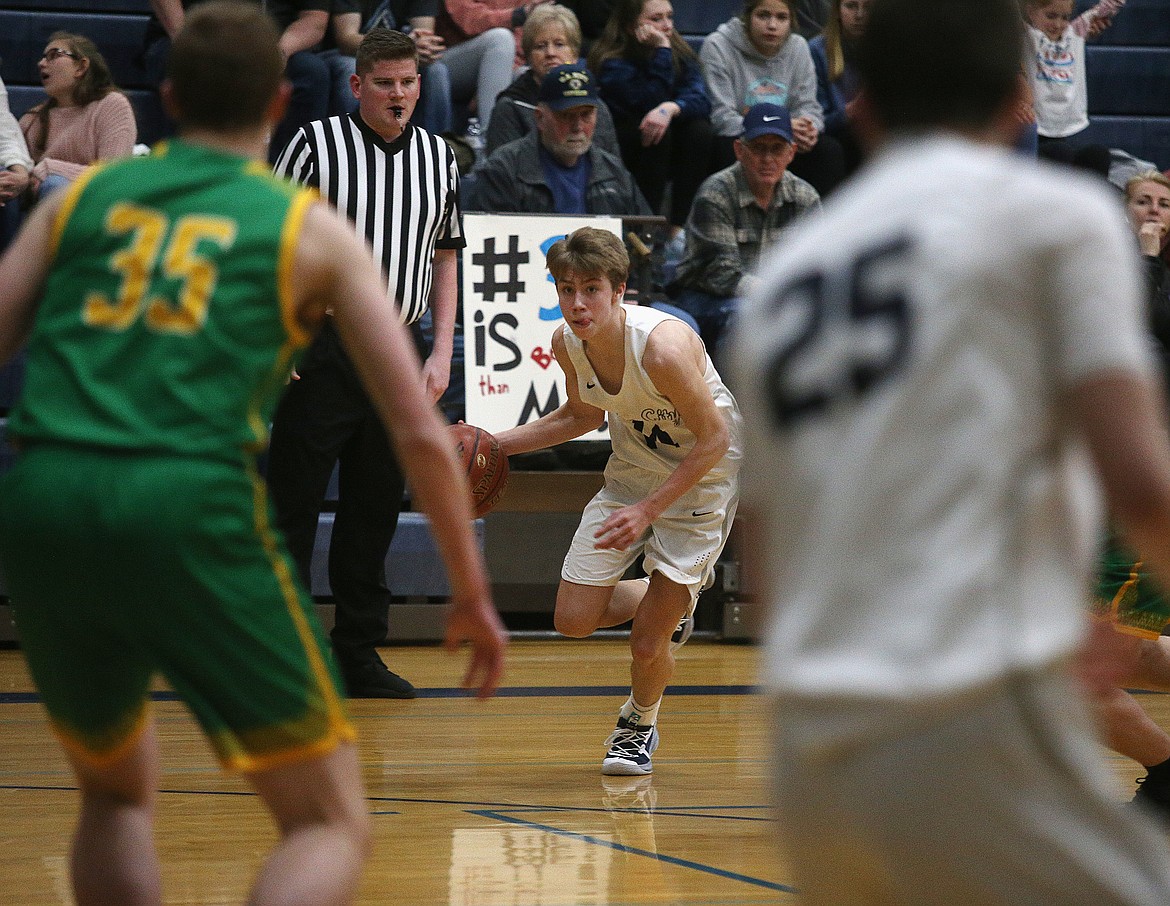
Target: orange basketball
x=485, y=464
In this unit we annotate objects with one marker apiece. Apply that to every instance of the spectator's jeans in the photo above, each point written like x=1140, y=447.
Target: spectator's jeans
x=481, y=67
x=713, y=314
x=434, y=107
x=51, y=184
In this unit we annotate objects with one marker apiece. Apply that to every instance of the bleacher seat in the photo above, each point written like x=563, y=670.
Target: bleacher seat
x=118, y=36
x=702, y=18
x=1129, y=81
x=1140, y=23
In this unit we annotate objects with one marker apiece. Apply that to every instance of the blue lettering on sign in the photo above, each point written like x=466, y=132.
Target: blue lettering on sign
x=554, y=313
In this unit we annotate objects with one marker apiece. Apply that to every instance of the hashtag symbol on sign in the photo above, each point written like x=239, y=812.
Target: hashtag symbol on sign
x=489, y=259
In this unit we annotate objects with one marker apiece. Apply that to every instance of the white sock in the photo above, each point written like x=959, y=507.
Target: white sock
x=639, y=715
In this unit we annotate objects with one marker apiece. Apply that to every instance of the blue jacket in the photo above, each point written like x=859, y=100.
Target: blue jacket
x=832, y=95
x=632, y=89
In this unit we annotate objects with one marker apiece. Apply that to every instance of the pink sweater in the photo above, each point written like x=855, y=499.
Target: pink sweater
x=78, y=136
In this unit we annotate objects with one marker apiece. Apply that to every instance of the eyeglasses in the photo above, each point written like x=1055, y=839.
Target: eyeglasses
x=54, y=53
x=778, y=150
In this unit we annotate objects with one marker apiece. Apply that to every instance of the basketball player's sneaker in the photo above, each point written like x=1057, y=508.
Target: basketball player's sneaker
x=1153, y=795
x=630, y=748
x=685, y=627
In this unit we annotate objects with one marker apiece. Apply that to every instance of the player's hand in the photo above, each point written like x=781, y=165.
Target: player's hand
x=655, y=123
x=293, y=376
x=476, y=621
x=1150, y=236
x=436, y=377
x=623, y=528
x=804, y=131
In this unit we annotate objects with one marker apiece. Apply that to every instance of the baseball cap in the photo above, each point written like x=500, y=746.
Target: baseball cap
x=568, y=85
x=767, y=119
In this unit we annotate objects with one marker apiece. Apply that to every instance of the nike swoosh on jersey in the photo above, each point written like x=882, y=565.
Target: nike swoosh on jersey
x=705, y=513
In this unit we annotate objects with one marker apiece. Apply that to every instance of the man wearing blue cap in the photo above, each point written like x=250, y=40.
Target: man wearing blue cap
x=556, y=169
x=737, y=213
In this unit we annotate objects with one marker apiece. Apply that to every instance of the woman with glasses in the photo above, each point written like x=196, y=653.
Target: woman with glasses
x=86, y=117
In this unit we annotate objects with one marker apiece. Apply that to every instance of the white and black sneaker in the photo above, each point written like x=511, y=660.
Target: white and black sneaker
x=630, y=748
x=685, y=627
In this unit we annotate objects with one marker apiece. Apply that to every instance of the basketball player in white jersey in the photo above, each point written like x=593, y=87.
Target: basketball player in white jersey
x=939, y=377
x=671, y=485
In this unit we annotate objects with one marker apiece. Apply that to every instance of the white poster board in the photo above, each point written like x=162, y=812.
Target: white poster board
x=509, y=313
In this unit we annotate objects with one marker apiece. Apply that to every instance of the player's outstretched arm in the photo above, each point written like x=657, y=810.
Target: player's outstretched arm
x=22, y=274
x=334, y=268
x=569, y=420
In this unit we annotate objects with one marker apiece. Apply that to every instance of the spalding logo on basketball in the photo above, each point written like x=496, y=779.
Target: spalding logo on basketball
x=485, y=464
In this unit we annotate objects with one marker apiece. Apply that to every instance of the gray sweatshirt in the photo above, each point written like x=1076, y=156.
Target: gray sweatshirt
x=739, y=76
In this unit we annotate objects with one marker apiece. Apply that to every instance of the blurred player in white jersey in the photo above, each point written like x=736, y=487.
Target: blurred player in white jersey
x=939, y=378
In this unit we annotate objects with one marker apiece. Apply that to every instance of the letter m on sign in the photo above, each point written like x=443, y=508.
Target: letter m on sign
x=532, y=404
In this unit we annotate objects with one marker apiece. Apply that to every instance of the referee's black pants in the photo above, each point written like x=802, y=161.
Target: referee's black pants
x=322, y=419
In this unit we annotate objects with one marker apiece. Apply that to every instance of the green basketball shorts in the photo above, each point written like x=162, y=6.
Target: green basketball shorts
x=1127, y=596
x=122, y=566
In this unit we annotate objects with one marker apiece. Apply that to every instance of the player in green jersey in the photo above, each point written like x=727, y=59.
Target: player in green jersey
x=163, y=301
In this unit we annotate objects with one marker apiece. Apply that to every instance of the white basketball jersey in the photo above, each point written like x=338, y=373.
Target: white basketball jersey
x=649, y=439
x=929, y=523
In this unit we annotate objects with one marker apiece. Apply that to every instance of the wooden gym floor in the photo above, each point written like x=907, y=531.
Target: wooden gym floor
x=474, y=804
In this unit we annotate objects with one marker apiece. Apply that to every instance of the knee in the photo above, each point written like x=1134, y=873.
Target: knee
x=649, y=643
x=573, y=625
x=500, y=42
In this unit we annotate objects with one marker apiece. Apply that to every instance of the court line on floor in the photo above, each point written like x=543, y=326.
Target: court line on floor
x=621, y=847
x=27, y=698
x=676, y=811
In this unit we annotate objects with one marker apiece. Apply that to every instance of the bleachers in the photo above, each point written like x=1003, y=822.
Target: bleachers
x=1128, y=66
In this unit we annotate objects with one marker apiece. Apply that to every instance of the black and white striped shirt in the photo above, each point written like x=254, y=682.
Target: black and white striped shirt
x=402, y=196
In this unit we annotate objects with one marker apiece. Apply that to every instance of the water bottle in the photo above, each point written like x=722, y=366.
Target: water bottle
x=475, y=138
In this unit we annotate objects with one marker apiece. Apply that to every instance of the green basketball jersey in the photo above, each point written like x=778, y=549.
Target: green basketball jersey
x=167, y=321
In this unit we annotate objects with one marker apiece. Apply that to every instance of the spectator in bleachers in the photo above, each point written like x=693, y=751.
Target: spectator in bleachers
x=1056, y=65
x=653, y=84
x=86, y=117
x=737, y=214
x=15, y=167
x=837, y=79
x=483, y=48
x=302, y=25
x=556, y=169
x=756, y=58
x=349, y=21
x=551, y=37
x=1166, y=248
x=1147, y=198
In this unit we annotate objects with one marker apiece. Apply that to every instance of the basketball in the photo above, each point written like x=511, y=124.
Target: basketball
x=485, y=464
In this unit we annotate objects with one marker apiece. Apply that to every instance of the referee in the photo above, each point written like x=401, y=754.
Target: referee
x=397, y=184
